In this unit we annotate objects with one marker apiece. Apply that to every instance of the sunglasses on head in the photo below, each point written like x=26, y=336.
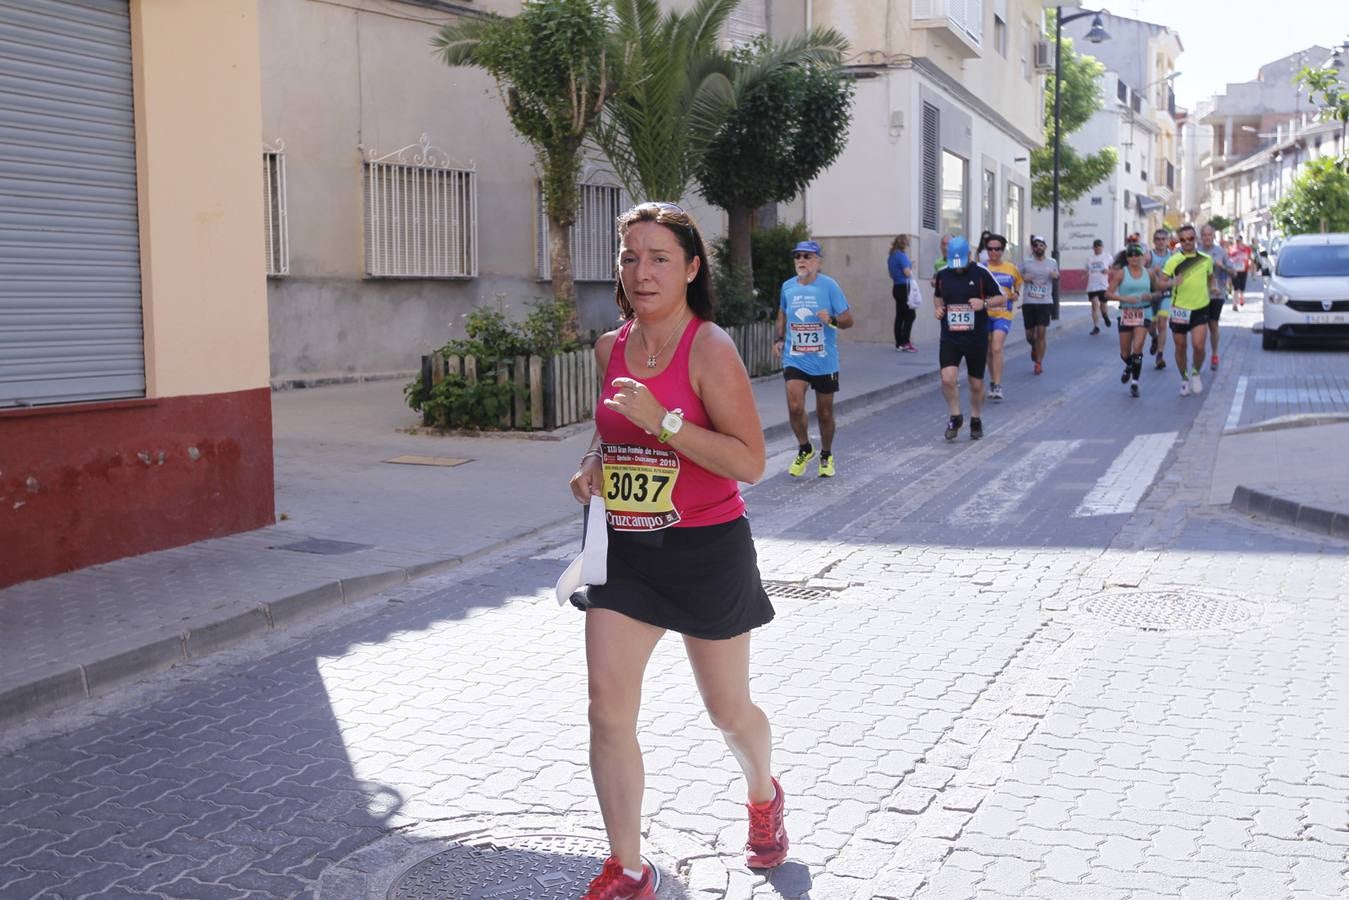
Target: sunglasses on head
x=803, y=256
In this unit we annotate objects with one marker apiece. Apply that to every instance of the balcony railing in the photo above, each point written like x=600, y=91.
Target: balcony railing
x=962, y=19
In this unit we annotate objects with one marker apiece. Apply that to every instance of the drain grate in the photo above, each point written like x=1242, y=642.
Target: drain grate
x=518, y=867
x=1167, y=610
x=791, y=590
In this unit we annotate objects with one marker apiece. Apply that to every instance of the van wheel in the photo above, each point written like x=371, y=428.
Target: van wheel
x=1269, y=340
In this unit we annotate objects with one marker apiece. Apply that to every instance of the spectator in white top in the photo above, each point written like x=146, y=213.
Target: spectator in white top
x=1098, y=279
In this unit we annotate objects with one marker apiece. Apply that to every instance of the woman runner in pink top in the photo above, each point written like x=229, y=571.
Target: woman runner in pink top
x=675, y=431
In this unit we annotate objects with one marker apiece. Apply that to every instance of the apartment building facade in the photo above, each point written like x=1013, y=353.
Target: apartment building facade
x=948, y=106
x=1137, y=118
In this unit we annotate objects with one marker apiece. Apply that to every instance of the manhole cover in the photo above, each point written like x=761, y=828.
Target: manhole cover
x=789, y=590
x=323, y=547
x=519, y=867
x=1167, y=610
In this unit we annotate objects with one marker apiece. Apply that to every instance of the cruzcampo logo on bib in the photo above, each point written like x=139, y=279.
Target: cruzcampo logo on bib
x=639, y=485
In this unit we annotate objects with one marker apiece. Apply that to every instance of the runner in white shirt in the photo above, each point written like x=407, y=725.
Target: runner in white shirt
x=1098, y=279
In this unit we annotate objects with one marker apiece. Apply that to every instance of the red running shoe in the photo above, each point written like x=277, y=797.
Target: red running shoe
x=767, y=844
x=612, y=884
x=1039, y=369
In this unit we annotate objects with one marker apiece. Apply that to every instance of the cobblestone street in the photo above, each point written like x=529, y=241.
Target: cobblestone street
x=1041, y=665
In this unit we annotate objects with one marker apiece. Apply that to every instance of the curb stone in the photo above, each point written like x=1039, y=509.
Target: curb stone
x=1309, y=518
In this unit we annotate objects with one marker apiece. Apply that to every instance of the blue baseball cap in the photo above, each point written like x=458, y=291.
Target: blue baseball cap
x=958, y=253
x=808, y=247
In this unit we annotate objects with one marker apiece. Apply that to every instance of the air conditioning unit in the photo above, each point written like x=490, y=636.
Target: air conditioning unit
x=1044, y=56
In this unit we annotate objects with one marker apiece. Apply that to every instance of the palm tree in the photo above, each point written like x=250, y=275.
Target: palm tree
x=551, y=66
x=677, y=87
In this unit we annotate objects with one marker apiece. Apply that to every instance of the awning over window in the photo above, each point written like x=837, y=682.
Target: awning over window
x=1148, y=205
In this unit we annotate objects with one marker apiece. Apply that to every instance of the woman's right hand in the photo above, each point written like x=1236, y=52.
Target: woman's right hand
x=588, y=481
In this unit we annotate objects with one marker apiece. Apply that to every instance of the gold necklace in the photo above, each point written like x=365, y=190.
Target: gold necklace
x=652, y=357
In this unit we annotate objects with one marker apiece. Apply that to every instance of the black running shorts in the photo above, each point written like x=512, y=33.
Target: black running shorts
x=823, y=384
x=1197, y=317
x=976, y=358
x=1215, y=308
x=1037, y=315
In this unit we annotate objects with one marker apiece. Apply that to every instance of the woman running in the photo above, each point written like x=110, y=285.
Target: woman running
x=674, y=433
x=1133, y=288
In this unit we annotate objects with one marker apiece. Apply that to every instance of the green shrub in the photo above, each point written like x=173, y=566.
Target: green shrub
x=493, y=340
x=771, y=249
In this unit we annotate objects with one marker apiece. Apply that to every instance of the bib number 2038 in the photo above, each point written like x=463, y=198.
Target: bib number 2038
x=639, y=486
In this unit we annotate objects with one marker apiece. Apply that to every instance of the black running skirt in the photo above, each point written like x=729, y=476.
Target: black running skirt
x=702, y=582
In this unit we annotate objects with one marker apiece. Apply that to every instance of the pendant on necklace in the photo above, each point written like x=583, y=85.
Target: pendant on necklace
x=650, y=361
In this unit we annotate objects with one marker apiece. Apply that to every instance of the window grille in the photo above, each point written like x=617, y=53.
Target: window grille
x=1121, y=90
x=594, y=236
x=990, y=204
x=1016, y=202
x=931, y=155
x=421, y=215
x=275, y=229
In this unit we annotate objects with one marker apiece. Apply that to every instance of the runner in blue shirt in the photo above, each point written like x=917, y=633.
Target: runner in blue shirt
x=811, y=309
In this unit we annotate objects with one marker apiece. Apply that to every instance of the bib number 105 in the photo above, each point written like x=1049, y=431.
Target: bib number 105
x=639, y=487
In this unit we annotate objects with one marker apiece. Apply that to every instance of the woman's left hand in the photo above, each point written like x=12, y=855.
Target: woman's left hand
x=637, y=404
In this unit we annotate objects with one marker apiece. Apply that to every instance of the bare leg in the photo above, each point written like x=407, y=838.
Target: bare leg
x=1213, y=337
x=1199, y=337
x=995, y=341
x=976, y=398
x=1095, y=312
x=617, y=650
x=1040, y=343
x=1182, y=353
x=796, y=410
x=824, y=413
x=721, y=670
x=950, y=390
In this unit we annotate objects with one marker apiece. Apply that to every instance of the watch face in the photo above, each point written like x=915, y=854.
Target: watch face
x=671, y=422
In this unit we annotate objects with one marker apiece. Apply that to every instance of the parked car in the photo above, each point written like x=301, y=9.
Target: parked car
x=1308, y=295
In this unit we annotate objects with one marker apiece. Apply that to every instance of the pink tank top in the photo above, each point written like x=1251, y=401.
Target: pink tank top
x=647, y=484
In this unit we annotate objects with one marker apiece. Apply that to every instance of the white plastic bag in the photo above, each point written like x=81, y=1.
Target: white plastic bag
x=915, y=295
x=591, y=565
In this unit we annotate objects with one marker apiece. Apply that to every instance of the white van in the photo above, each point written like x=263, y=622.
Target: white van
x=1308, y=294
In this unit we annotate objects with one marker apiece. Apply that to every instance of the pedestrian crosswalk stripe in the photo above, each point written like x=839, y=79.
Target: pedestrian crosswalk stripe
x=1129, y=476
x=1007, y=493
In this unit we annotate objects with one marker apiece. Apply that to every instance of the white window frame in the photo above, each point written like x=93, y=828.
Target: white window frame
x=594, y=236
x=960, y=191
x=421, y=214
x=276, y=229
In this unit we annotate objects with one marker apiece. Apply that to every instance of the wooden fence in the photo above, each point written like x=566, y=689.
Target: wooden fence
x=562, y=389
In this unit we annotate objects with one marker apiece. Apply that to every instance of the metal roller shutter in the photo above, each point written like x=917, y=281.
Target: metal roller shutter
x=70, y=284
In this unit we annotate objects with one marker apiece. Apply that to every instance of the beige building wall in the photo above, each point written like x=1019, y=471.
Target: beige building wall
x=197, y=120
x=990, y=104
x=343, y=80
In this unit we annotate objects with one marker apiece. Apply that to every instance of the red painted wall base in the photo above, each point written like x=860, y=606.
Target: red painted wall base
x=89, y=483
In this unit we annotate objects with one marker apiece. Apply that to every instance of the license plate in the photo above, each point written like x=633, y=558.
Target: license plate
x=1328, y=319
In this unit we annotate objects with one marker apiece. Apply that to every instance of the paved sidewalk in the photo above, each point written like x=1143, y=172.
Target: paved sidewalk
x=70, y=637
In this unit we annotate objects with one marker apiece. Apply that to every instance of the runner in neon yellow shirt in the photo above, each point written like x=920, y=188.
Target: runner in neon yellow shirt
x=1189, y=274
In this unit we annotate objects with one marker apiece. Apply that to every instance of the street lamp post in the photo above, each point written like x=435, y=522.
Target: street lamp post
x=1095, y=36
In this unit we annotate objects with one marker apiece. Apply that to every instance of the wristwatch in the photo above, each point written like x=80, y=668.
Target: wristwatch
x=670, y=425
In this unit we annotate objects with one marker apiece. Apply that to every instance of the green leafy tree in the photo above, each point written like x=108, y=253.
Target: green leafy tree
x=790, y=120
x=1081, y=98
x=552, y=67
x=1220, y=223
x=1324, y=87
x=1318, y=201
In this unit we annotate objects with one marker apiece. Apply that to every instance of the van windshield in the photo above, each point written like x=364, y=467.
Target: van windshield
x=1314, y=261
